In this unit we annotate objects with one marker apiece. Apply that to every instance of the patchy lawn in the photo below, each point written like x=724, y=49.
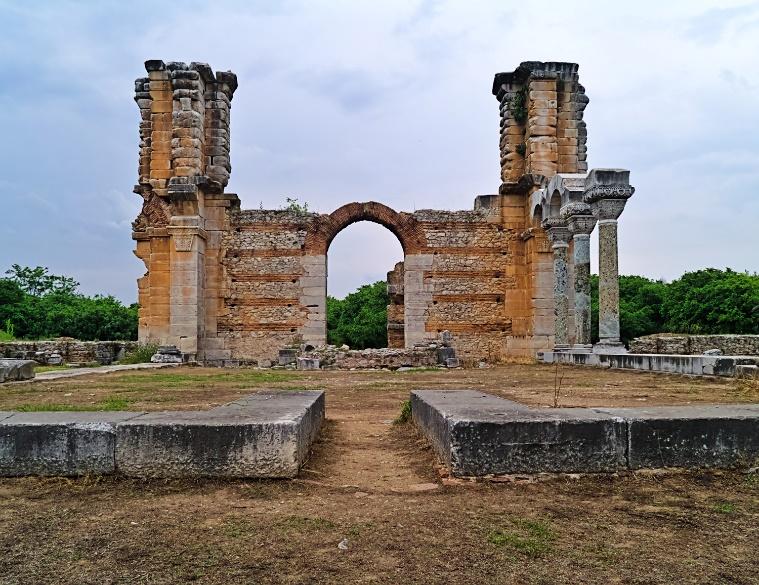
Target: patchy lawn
x=375, y=487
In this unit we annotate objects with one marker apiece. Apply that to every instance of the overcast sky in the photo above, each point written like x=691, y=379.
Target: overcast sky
x=386, y=101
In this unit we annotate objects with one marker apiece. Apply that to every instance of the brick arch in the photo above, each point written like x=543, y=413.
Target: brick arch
x=326, y=227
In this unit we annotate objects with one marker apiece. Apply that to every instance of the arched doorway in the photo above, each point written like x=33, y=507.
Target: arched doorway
x=360, y=311
x=318, y=239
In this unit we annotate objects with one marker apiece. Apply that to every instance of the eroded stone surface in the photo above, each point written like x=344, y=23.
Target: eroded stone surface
x=15, y=370
x=477, y=434
x=262, y=435
x=59, y=443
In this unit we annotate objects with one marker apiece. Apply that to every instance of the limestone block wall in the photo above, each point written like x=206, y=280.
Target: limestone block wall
x=262, y=283
x=71, y=350
x=234, y=286
x=396, y=309
x=542, y=128
x=686, y=344
x=473, y=270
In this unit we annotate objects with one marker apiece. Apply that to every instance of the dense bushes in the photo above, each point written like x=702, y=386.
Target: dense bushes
x=704, y=301
x=38, y=305
x=360, y=319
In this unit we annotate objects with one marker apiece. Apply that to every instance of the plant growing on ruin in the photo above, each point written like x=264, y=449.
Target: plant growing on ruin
x=295, y=206
x=521, y=149
x=518, y=106
x=140, y=354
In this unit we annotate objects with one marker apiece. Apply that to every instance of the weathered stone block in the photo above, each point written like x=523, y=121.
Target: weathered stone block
x=59, y=443
x=691, y=436
x=262, y=435
x=489, y=435
x=12, y=370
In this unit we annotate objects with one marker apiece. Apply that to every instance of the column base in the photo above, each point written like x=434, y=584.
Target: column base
x=609, y=347
x=582, y=348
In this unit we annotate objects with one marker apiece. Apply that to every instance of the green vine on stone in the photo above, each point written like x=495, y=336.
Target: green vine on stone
x=521, y=149
x=518, y=106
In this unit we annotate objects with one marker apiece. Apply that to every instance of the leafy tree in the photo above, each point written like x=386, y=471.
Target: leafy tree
x=713, y=301
x=40, y=305
x=360, y=319
x=37, y=281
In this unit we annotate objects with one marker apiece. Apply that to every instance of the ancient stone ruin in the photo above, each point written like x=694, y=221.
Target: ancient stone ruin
x=508, y=278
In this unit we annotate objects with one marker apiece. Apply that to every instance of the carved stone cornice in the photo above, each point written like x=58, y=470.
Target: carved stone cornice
x=575, y=208
x=598, y=192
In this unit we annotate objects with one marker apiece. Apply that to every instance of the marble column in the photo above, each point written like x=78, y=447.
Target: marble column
x=559, y=236
x=581, y=225
x=607, y=192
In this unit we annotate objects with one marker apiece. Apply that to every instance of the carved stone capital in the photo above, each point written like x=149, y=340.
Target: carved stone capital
x=581, y=224
x=558, y=233
x=183, y=230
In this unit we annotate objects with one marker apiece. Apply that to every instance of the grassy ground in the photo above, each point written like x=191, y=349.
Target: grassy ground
x=376, y=488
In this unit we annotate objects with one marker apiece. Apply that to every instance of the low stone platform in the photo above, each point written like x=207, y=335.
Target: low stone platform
x=694, y=365
x=478, y=434
x=264, y=435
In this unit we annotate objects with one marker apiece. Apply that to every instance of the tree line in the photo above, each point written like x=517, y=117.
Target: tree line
x=35, y=304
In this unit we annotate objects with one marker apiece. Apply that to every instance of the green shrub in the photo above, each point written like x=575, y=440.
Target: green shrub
x=405, y=414
x=140, y=355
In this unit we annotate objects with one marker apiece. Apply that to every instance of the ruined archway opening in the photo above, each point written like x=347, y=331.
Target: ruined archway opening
x=360, y=259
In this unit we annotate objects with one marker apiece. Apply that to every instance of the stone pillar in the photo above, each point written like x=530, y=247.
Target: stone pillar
x=607, y=190
x=187, y=261
x=559, y=236
x=581, y=223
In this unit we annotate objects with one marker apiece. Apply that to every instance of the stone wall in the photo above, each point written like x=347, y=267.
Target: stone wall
x=685, y=344
x=396, y=311
x=232, y=286
x=71, y=351
x=331, y=357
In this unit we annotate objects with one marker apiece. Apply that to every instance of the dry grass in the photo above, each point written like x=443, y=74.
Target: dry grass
x=376, y=485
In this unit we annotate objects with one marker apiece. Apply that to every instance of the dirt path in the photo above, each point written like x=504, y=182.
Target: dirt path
x=362, y=450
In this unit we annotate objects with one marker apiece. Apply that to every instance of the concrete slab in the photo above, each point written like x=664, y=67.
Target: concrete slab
x=59, y=443
x=691, y=436
x=477, y=434
x=262, y=435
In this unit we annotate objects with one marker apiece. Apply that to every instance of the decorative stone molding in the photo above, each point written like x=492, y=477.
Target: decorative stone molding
x=599, y=192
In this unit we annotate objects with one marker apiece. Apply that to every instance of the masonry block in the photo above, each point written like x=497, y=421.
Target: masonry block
x=59, y=443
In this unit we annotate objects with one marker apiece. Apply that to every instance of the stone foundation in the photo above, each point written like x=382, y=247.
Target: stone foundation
x=265, y=435
x=478, y=434
x=70, y=351
x=696, y=344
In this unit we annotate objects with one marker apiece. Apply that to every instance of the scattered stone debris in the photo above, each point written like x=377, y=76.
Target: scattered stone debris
x=167, y=354
x=14, y=370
